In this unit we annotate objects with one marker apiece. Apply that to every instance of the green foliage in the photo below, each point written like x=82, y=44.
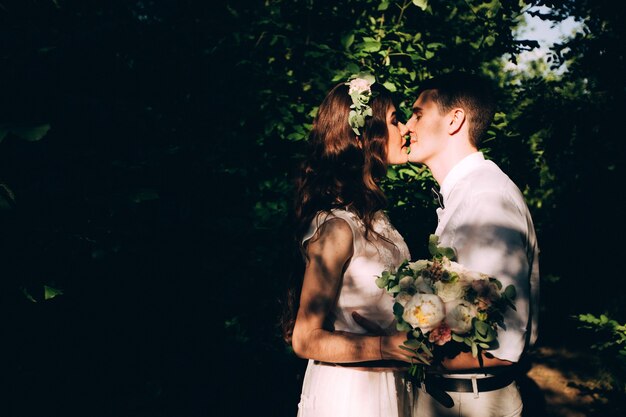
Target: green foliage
x=609, y=338
x=611, y=334
x=48, y=293
x=27, y=133
x=438, y=252
x=561, y=126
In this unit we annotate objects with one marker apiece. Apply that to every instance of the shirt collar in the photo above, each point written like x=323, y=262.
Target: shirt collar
x=460, y=170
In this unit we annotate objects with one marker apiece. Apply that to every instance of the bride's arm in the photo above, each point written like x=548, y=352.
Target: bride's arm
x=328, y=254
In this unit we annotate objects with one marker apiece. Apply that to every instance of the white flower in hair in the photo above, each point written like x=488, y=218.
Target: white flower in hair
x=359, y=85
x=360, y=90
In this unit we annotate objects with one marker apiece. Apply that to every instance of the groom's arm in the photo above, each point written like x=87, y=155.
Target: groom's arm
x=464, y=361
x=491, y=239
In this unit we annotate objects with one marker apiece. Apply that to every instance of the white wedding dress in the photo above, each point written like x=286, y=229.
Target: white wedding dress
x=335, y=391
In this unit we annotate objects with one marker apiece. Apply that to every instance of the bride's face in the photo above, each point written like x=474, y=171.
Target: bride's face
x=396, y=153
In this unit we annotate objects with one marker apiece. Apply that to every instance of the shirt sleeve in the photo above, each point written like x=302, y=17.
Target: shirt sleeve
x=491, y=237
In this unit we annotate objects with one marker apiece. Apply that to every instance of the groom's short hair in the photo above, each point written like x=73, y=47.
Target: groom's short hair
x=471, y=92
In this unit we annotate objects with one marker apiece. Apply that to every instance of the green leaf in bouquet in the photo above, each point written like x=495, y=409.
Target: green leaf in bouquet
x=417, y=334
x=481, y=327
x=484, y=345
x=490, y=336
x=439, y=251
x=412, y=343
x=481, y=315
x=414, y=350
x=395, y=289
x=433, y=243
x=414, y=356
x=381, y=282
x=403, y=266
x=421, y=358
x=448, y=253
x=457, y=338
x=510, y=292
x=426, y=350
x=467, y=341
x=509, y=303
x=500, y=322
x=497, y=282
x=398, y=309
x=474, y=349
x=403, y=326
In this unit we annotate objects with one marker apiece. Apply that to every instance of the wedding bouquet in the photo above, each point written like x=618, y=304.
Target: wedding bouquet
x=439, y=302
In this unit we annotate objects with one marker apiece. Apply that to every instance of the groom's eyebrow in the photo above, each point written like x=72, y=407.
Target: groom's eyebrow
x=417, y=109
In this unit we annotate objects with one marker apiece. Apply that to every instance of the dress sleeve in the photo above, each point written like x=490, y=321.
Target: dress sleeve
x=325, y=216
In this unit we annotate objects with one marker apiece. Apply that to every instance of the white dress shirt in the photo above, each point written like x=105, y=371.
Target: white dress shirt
x=487, y=222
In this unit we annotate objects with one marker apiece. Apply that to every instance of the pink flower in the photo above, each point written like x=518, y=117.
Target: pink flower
x=359, y=85
x=440, y=335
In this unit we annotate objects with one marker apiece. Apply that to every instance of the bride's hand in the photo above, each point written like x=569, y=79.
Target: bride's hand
x=390, y=342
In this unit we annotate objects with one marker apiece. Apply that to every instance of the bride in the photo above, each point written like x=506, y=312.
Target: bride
x=346, y=240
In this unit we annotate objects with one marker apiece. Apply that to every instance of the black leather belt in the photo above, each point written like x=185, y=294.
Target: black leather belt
x=438, y=386
x=490, y=383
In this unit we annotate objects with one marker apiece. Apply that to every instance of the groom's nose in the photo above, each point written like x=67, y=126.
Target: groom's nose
x=404, y=130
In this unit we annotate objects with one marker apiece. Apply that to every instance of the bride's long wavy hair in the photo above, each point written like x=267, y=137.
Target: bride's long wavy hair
x=340, y=171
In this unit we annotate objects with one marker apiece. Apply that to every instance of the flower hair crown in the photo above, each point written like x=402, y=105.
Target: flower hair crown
x=360, y=91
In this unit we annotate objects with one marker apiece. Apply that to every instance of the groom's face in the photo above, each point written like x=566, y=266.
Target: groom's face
x=427, y=128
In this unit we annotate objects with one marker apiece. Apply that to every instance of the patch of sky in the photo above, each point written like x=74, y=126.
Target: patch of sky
x=546, y=33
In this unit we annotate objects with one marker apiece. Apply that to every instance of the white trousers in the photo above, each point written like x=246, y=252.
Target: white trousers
x=504, y=402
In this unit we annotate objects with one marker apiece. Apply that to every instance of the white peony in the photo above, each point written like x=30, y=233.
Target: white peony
x=423, y=285
x=459, y=315
x=450, y=291
x=464, y=274
x=425, y=311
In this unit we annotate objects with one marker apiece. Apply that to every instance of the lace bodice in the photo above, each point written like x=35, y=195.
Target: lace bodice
x=358, y=290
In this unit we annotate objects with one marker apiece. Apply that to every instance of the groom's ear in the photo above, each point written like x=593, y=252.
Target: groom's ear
x=456, y=120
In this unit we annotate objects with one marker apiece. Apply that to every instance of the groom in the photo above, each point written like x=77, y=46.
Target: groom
x=484, y=217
